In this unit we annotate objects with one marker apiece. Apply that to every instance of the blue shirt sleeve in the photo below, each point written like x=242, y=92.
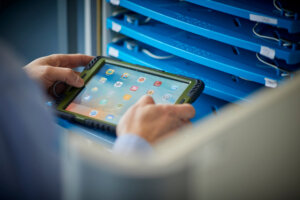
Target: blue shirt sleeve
x=132, y=144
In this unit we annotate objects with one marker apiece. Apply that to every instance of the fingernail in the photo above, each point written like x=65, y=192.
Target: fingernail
x=80, y=81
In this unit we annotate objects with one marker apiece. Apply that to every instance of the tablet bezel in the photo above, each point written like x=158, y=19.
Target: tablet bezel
x=92, y=69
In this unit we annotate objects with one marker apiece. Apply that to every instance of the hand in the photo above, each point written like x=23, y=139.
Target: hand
x=58, y=67
x=153, y=122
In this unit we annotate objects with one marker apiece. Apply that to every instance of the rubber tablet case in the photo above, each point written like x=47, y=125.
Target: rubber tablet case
x=195, y=89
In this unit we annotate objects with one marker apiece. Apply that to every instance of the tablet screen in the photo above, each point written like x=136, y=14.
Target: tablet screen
x=113, y=89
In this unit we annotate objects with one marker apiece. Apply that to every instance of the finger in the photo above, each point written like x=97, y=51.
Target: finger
x=68, y=60
x=145, y=100
x=175, y=124
x=178, y=124
x=78, y=73
x=65, y=75
x=187, y=123
x=184, y=111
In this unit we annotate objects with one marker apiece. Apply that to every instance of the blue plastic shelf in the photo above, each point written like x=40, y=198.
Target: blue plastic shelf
x=218, y=84
x=254, y=10
x=216, y=55
x=207, y=105
x=212, y=24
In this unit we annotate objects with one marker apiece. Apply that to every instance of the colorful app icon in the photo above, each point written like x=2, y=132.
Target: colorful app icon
x=157, y=83
x=141, y=79
x=109, y=117
x=127, y=97
x=125, y=76
x=167, y=97
x=94, y=89
x=103, y=101
x=93, y=113
x=150, y=92
x=119, y=106
x=109, y=71
x=87, y=98
x=102, y=80
x=174, y=87
x=118, y=84
x=134, y=88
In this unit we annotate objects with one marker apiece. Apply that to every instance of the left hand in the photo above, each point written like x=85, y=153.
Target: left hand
x=57, y=67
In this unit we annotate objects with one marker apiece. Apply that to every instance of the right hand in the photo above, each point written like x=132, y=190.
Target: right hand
x=153, y=122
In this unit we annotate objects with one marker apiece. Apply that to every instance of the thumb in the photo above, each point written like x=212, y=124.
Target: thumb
x=66, y=75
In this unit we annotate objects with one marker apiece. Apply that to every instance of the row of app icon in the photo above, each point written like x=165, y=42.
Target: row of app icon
x=124, y=75
x=94, y=113
x=139, y=80
x=120, y=83
x=156, y=83
x=132, y=88
x=127, y=97
x=87, y=98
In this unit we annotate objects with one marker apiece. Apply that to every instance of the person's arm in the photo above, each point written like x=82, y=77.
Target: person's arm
x=143, y=124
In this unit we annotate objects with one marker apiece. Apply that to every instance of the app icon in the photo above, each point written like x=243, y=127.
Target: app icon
x=93, y=113
x=134, y=88
x=103, y=101
x=119, y=106
x=118, y=84
x=102, y=80
x=157, y=83
x=125, y=75
x=141, y=79
x=127, y=97
x=167, y=97
x=150, y=92
x=87, y=98
x=94, y=89
x=109, y=71
x=109, y=117
x=174, y=87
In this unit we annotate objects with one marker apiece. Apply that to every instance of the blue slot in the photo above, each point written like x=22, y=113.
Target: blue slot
x=255, y=10
x=211, y=24
x=218, y=84
x=216, y=55
x=206, y=105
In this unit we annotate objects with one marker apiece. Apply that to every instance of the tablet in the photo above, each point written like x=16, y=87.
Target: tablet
x=111, y=87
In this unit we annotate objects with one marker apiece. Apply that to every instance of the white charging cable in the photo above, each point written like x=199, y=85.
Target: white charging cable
x=284, y=74
x=287, y=13
x=285, y=43
x=148, y=53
